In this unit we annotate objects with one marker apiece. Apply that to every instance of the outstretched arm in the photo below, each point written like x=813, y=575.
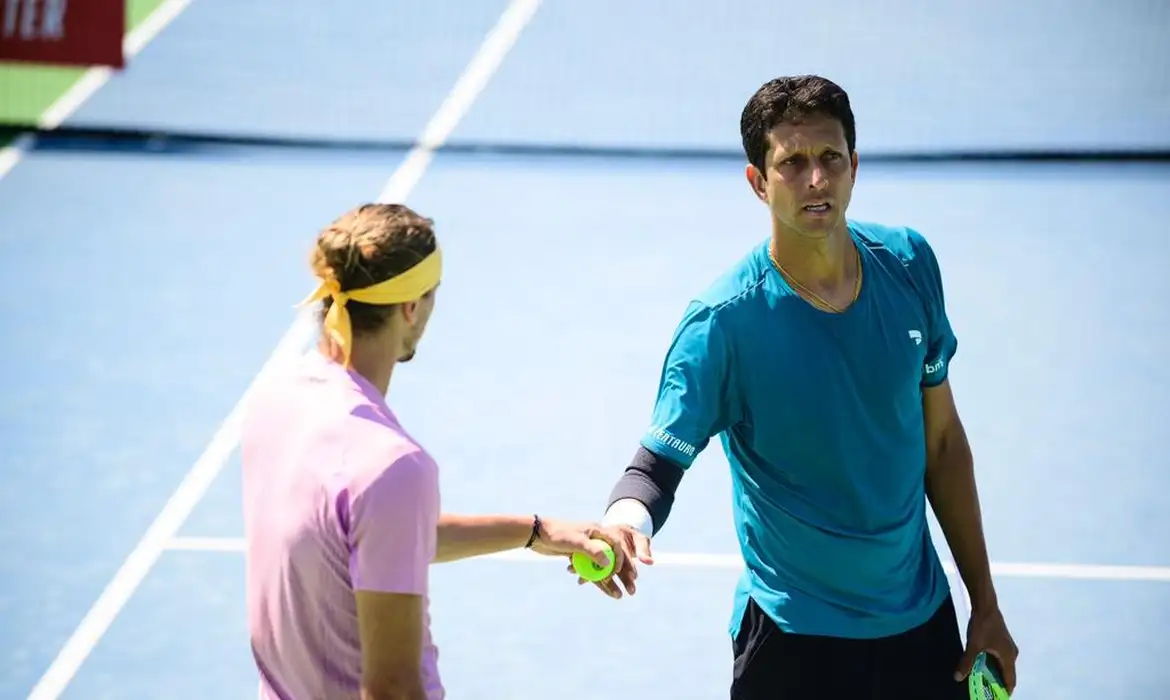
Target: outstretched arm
x=463, y=536
x=696, y=400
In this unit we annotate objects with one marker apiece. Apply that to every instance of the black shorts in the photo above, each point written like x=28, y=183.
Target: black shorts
x=916, y=665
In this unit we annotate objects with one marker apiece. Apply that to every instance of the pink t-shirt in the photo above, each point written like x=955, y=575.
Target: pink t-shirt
x=337, y=497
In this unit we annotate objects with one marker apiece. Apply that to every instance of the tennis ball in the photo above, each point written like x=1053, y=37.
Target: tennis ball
x=588, y=569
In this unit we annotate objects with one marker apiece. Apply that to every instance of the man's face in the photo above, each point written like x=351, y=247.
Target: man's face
x=808, y=178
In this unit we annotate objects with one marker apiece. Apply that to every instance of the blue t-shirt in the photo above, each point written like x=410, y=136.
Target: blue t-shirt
x=820, y=416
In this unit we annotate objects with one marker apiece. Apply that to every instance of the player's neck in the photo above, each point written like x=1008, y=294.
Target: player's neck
x=367, y=360
x=825, y=262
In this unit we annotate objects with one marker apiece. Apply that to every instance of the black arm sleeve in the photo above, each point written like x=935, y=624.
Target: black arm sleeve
x=651, y=480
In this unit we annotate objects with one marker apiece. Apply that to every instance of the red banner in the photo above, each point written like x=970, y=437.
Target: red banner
x=63, y=32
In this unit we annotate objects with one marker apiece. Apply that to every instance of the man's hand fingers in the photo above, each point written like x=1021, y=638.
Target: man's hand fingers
x=598, y=535
x=622, y=551
x=1007, y=667
x=609, y=588
x=966, y=662
x=642, y=548
x=623, y=566
x=628, y=575
x=628, y=547
x=596, y=551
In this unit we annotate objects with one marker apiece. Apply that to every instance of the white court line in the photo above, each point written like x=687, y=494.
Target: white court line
x=188, y=494
x=732, y=561
x=91, y=82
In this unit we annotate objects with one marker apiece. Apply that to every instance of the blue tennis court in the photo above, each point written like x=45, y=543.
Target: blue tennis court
x=142, y=290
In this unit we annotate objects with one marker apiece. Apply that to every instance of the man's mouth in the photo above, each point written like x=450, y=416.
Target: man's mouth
x=817, y=207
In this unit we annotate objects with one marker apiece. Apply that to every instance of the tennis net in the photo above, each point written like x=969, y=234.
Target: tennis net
x=995, y=79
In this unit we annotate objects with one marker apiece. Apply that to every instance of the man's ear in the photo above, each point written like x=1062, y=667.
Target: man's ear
x=409, y=310
x=757, y=182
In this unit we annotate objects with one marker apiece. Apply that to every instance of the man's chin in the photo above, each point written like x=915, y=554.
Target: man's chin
x=407, y=357
x=817, y=227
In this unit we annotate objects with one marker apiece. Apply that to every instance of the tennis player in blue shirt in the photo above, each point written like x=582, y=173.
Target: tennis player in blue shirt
x=820, y=361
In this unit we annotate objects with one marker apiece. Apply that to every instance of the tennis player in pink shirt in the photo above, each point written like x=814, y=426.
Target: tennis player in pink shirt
x=342, y=507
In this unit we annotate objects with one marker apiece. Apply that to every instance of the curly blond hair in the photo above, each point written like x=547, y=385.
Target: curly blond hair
x=368, y=245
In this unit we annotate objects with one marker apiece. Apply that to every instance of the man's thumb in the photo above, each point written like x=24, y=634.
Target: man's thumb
x=642, y=549
x=596, y=549
x=966, y=663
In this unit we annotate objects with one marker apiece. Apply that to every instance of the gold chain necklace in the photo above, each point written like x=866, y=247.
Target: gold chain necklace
x=816, y=297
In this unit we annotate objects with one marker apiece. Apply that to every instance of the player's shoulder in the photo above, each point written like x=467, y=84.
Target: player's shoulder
x=389, y=463
x=906, y=243
x=378, y=450
x=735, y=287
x=391, y=486
x=386, y=443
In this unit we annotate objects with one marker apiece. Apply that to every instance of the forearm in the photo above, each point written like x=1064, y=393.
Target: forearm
x=642, y=498
x=463, y=536
x=951, y=490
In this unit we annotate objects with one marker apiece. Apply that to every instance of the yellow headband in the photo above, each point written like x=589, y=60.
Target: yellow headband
x=408, y=286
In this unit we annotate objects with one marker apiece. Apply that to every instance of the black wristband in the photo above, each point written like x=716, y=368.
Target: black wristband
x=651, y=480
x=535, y=532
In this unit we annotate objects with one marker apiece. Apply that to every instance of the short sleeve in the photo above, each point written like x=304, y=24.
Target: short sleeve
x=394, y=528
x=692, y=401
x=942, y=343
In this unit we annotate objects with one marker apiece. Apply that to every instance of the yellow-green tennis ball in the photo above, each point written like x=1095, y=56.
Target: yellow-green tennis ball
x=588, y=569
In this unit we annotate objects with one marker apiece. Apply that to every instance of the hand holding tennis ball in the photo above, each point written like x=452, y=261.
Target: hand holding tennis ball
x=590, y=546
x=987, y=632
x=609, y=552
x=631, y=546
x=588, y=568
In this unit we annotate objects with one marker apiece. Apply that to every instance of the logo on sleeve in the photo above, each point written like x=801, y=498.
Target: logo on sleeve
x=936, y=366
x=665, y=438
